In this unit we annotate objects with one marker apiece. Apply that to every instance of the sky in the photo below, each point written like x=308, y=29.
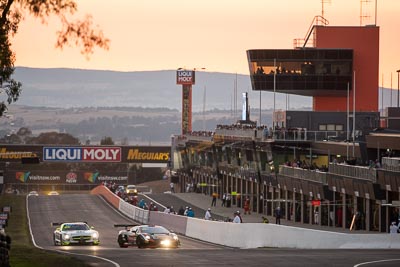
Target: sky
x=210, y=34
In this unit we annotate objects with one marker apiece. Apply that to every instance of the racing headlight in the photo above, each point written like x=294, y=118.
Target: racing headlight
x=175, y=237
x=147, y=237
x=165, y=242
x=66, y=236
x=95, y=235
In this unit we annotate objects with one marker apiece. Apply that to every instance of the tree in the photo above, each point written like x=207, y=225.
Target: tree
x=106, y=141
x=79, y=32
x=53, y=138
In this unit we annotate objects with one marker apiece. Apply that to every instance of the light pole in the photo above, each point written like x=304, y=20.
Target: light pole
x=398, y=87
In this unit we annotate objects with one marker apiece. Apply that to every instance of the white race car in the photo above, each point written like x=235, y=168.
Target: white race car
x=78, y=233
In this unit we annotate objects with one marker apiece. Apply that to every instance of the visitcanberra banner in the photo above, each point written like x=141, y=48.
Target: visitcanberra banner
x=79, y=177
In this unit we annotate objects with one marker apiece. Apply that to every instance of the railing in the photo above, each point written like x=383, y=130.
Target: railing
x=295, y=134
x=304, y=174
x=302, y=42
x=251, y=133
x=355, y=172
x=391, y=164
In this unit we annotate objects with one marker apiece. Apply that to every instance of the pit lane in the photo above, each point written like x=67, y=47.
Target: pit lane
x=43, y=210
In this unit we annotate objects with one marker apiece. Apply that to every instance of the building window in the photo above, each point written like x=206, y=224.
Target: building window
x=339, y=127
x=330, y=127
x=322, y=127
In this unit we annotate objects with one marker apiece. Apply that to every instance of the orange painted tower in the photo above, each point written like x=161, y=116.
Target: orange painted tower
x=364, y=41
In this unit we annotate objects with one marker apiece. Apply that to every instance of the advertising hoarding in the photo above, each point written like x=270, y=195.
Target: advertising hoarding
x=71, y=177
x=185, y=77
x=86, y=154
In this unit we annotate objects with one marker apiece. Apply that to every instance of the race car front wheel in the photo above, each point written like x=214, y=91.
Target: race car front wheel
x=140, y=242
x=54, y=240
x=122, y=241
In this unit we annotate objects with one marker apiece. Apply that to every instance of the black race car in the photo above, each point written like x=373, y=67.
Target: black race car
x=144, y=236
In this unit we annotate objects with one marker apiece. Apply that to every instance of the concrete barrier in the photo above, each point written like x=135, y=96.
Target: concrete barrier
x=107, y=194
x=255, y=235
x=131, y=211
x=252, y=235
x=172, y=222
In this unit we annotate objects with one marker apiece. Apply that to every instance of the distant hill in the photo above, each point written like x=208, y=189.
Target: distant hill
x=65, y=88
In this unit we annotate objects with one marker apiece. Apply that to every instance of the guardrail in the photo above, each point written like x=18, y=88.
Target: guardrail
x=304, y=174
x=352, y=171
x=391, y=164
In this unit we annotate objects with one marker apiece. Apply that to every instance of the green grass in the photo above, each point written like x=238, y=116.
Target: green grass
x=23, y=252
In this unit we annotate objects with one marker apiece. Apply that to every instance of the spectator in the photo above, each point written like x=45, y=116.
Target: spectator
x=214, y=199
x=171, y=185
x=167, y=210
x=142, y=203
x=207, y=216
x=223, y=200
x=264, y=219
x=278, y=215
x=190, y=213
x=171, y=210
x=155, y=208
x=181, y=211
x=186, y=211
x=228, y=200
x=237, y=218
x=393, y=228
x=246, y=206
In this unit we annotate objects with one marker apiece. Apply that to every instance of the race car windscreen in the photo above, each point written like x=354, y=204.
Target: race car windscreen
x=154, y=230
x=75, y=227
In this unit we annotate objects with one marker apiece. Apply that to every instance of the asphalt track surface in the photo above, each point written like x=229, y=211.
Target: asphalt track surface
x=44, y=210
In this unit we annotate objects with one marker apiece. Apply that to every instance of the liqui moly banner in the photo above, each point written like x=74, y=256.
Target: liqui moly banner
x=82, y=154
x=185, y=77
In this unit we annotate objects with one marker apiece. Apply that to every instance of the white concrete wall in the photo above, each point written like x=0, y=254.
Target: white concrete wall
x=254, y=235
x=172, y=222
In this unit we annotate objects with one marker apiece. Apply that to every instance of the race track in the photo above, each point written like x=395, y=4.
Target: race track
x=43, y=210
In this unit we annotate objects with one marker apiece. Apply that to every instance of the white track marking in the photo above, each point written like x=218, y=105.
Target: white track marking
x=372, y=262
x=61, y=251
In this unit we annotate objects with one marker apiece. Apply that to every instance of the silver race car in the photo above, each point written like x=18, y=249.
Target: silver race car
x=72, y=233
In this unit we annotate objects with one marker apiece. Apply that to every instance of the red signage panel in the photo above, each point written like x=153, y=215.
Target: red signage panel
x=185, y=77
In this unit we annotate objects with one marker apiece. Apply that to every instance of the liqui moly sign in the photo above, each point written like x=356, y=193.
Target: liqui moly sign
x=185, y=77
x=85, y=154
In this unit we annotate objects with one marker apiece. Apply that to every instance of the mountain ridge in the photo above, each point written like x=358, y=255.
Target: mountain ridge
x=65, y=87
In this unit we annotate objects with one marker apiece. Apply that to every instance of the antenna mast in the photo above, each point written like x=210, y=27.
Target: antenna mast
x=323, y=2
x=363, y=13
x=204, y=109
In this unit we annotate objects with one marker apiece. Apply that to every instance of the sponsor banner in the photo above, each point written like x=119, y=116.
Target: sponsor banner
x=71, y=178
x=15, y=153
x=80, y=177
x=95, y=154
x=96, y=177
x=143, y=154
x=185, y=77
x=7, y=209
x=3, y=216
x=26, y=177
x=83, y=154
